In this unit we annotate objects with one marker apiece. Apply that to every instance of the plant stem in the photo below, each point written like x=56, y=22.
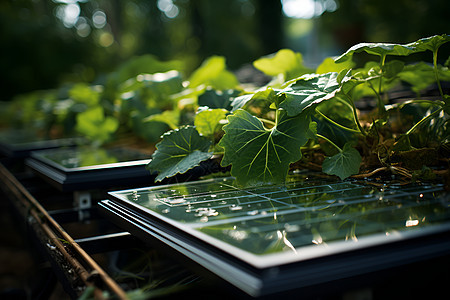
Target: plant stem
x=416, y=101
x=337, y=124
x=268, y=121
x=379, y=101
x=382, y=60
x=329, y=141
x=423, y=120
x=355, y=116
x=436, y=73
x=344, y=102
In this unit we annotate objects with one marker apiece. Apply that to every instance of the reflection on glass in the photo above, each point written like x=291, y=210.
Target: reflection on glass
x=19, y=136
x=71, y=158
x=271, y=219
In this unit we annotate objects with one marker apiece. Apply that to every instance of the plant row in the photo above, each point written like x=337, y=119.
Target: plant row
x=302, y=118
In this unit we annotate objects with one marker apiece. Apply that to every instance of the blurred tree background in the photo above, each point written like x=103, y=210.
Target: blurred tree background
x=46, y=43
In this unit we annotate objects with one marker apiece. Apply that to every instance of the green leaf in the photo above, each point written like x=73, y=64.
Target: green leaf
x=267, y=94
x=348, y=82
x=150, y=131
x=421, y=75
x=154, y=89
x=379, y=49
x=170, y=117
x=83, y=93
x=163, y=83
x=213, y=73
x=343, y=164
x=259, y=155
x=392, y=68
x=93, y=124
x=307, y=91
x=145, y=64
x=207, y=121
x=180, y=150
x=329, y=65
x=217, y=99
x=285, y=62
x=431, y=43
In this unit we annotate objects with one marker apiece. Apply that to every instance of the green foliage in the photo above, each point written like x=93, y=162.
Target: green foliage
x=94, y=125
x=217, y=99
x=213, y=73
x=261, y=132
x=268, y=94
x=307, y=91
x=83, y=93
x=180, y=150
x=145, y=64
x=421, y=75
x=379, y=49
x=267, y=128
x=343, y=164
x=285, y=62
x=329, y=65
x=259, y=155
x=431, y=43
x=208, y=121
x=169, y=117
x=154, y=90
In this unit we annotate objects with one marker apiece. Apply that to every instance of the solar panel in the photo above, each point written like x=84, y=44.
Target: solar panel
x=271, y=227
x=84, y=168
x=18, y=143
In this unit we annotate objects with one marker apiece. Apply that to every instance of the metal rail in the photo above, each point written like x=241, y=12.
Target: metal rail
x=56, y=234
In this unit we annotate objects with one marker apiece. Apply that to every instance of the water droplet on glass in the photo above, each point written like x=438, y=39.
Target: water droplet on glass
x=177, y=201
x=235, y=207
x=203, y=211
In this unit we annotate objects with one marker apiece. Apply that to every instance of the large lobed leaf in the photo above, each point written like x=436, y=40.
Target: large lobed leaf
x=379, y=49
x=431, y=43
x=382, y=49
x=180, y=150
x=259, y=155
x=308, y=90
